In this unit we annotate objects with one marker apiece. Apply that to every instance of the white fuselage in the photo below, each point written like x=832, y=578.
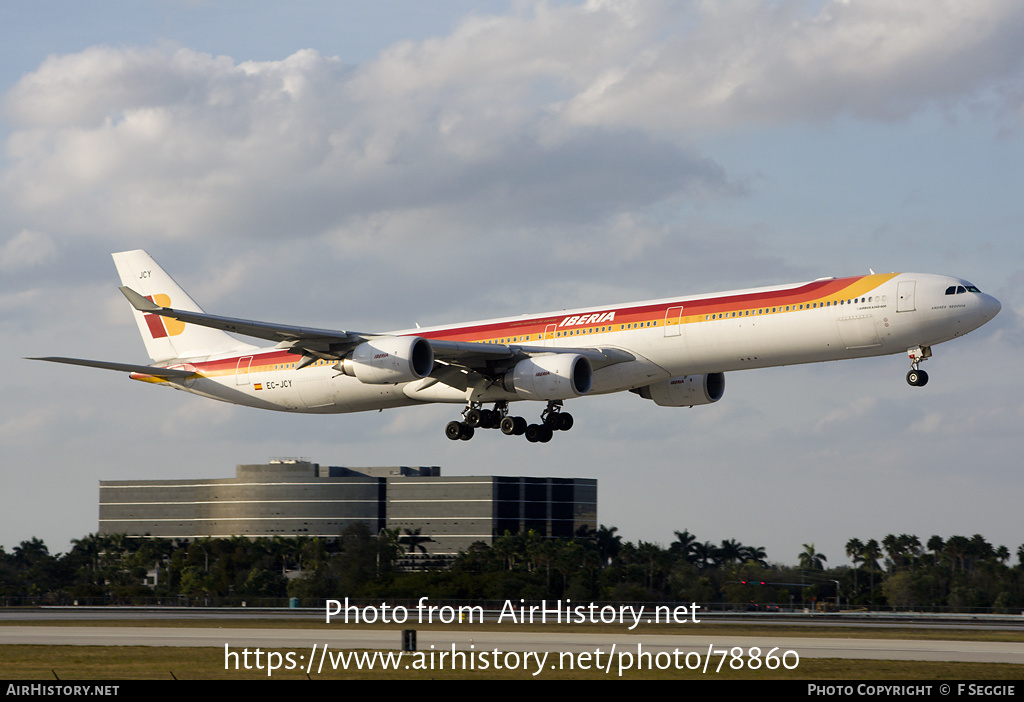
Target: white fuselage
x=823, y=320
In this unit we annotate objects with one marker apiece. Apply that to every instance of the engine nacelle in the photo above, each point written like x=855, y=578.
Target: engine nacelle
x=558, y=376
x=686, y=390
x=387, y=360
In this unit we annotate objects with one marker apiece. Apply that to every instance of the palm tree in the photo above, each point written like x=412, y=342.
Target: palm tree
x=811, y=559
x=956, y=549
x=608, y=543
x=754, y=553
x=683, y=545
x=871, y=553
x=703, y=555
x=892, y=549
x=650, y=556
x=854, y=549
x=89, y=547
x=569, y=559
x=910, y=549
x=729, y=552
x=980, y=549
x=935, y=545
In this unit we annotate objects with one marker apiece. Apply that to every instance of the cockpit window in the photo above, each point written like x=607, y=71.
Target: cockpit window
x=961, y=289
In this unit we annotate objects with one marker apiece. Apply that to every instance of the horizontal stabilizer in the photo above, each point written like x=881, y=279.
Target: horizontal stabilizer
x=124, y=367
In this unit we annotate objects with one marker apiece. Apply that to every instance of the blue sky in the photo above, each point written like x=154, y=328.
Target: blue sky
x=373, y=165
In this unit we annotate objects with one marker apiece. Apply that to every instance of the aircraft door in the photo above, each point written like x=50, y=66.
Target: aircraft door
x=242, y=370
x=905, y=295
x=549, y=334
x=673, y=321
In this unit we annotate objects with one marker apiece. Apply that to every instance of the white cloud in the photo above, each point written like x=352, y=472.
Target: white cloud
x=25, y=249
x=178, y=143
x=853, y=410
x=548, y=115
x=724, y=64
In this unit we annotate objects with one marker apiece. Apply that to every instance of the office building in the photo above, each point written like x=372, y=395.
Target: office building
x=436, y=516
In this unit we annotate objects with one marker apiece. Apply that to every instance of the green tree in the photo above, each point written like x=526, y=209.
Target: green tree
x=811, y=559
x=854, y=550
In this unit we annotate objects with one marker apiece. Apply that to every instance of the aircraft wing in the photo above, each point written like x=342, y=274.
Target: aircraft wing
x=125, y=367
x=329, y=344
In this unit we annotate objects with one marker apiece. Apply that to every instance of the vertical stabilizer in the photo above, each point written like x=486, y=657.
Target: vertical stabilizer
x=169, y=339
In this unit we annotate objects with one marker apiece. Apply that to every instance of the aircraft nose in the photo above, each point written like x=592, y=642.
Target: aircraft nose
x=989, y=307
x=992, y=306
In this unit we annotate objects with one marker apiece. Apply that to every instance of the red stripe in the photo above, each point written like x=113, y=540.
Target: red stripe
x=156, y=326
x=535, y=327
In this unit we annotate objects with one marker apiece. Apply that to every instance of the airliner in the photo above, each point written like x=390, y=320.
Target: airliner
x=674, y=351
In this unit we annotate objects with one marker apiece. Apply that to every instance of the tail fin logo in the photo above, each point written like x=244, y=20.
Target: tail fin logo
x=162, y=327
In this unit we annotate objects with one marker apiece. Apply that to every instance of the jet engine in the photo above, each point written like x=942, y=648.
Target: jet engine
x=558, y=376
x=686, y=390
x=387, y=360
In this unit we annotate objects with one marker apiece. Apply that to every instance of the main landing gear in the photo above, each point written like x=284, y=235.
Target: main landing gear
x=916, y=376
x=475, y=417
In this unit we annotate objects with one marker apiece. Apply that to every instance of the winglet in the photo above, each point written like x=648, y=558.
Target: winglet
x=142, y=304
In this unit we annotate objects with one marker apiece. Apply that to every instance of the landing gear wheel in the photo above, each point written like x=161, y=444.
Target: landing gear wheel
x=534, y=432
x=474, y=417
x=458, y=430
x=513, y=426
x=917, y=378
x=558, y=421
x=489, y=419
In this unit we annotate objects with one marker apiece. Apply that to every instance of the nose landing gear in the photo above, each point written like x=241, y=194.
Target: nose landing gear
x=916, y=376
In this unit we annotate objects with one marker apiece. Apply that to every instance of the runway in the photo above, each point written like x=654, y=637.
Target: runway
x=302, y=641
